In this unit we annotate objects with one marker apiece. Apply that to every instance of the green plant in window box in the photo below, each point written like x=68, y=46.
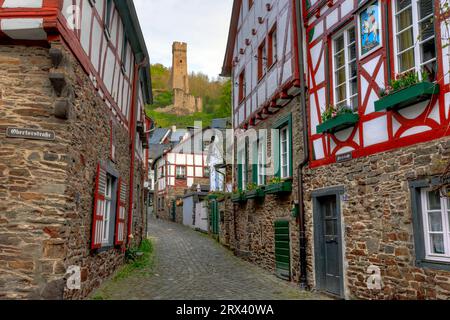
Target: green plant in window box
x=278, y=186
x=405, y=90
x=337, y=118
x=254, y=191
x=238, y=197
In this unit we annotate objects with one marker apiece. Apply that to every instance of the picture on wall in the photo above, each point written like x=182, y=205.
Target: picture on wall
x=370, y=32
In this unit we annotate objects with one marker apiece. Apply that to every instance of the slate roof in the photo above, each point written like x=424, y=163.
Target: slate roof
x=158, y=135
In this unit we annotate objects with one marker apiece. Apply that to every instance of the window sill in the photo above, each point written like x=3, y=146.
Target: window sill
x=407, y=97
x=435, y=265
x=338, y=123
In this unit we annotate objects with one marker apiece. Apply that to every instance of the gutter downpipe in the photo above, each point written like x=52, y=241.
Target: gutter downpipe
x=301, y=219
x=132, y=127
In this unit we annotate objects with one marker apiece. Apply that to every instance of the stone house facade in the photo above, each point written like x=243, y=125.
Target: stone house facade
x=74, y=202
x=377, y=221
x=372, y=198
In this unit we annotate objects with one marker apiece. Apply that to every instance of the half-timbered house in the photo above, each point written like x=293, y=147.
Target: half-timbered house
x=262, y=59
x=378, y=80
x=74, y=79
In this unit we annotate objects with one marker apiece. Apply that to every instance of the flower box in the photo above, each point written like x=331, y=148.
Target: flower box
x=255, y=194
x=238, y=198
x=279, y=188
x=407, y=97
x=338, y=123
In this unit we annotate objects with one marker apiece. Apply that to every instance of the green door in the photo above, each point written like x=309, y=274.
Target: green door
x=214, y=217
x=174, y=211
x=282, y=250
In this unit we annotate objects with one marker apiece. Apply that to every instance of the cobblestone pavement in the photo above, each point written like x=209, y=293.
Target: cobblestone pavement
x=191, y=266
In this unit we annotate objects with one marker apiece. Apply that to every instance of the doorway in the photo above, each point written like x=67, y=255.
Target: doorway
x=328, y=242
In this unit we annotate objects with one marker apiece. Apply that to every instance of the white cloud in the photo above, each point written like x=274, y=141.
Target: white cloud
x=203, y=24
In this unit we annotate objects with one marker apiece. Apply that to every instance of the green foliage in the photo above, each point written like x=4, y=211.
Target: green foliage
x=404, y=81
x=216, y=95
x=276, y=180
x=162, y=100
x=137, y=258
x=332, y=112
x=252, y=187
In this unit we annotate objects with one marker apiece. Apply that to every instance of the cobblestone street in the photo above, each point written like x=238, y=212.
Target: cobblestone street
x=191, y=266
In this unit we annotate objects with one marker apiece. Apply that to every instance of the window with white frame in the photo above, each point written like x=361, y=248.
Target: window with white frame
x=345, y=69
x=414, y=45
x=285, y=152
x=436, y=223
x=242, y=167
x=262, y=162
x=181, y=172
x=108, y=209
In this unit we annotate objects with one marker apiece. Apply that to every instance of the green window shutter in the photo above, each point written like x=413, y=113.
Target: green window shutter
x=282, y=250
x=255, y=164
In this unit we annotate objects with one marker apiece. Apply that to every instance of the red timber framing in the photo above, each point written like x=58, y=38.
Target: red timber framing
x=124, y=99
x=236, y=50
x=381, y=71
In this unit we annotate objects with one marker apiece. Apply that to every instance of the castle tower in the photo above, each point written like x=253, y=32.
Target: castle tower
x=180, y=77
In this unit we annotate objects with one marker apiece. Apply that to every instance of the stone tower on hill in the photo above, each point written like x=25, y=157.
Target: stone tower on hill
x=183, y=102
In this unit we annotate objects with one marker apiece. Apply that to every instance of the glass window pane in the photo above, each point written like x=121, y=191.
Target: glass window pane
x=341, y=93
x=401, y=4
x=340, y=60
x=405, y=40
x=340, y=76
x=406, y=60
x=428, y=50
x=354, y=86
x=404, y=20
x=426, y=28
x=435, y=222
x=437, y=244
x=355, y=103
x=351, y=35
x=434, y=200
x=339, y=44
x=425, y=8
x=431, y=69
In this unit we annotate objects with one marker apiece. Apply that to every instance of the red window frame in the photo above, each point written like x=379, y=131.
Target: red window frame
x=242, y=86
x=261, y=69
x=271, y=58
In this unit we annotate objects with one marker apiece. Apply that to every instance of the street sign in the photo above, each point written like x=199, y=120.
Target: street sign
x=344, y=157
x=32, y=134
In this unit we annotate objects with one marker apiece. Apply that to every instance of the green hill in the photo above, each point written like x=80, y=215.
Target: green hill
x=216, y=96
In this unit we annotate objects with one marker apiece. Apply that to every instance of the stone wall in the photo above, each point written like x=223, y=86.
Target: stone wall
x=33, y=177
x=47, y=188
x=250, y=226
x=377, y=221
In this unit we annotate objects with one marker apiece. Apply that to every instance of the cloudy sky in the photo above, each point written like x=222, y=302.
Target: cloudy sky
x=203, y=24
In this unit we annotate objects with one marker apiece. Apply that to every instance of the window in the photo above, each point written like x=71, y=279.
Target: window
x=162, y=172
x=262, y=162
x=282, y=147
x=415, y=48
x=108, y=14
x=242, y=169
x=242, y=86
x=436, y=224
x=345, y=69
x=108, y=209
x=262, y=60
x=273, y=47
x=284, y=152
x=207, y=172
x=181, y=172
x=124, y=52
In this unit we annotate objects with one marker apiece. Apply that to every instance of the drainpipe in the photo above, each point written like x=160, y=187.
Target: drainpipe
x=305, y=161
x=132, y=127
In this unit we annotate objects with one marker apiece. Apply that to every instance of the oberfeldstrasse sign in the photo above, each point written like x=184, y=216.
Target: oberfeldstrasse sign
x=31, y=134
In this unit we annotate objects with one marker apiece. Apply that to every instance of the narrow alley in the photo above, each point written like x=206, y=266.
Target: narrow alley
x=191, y=266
